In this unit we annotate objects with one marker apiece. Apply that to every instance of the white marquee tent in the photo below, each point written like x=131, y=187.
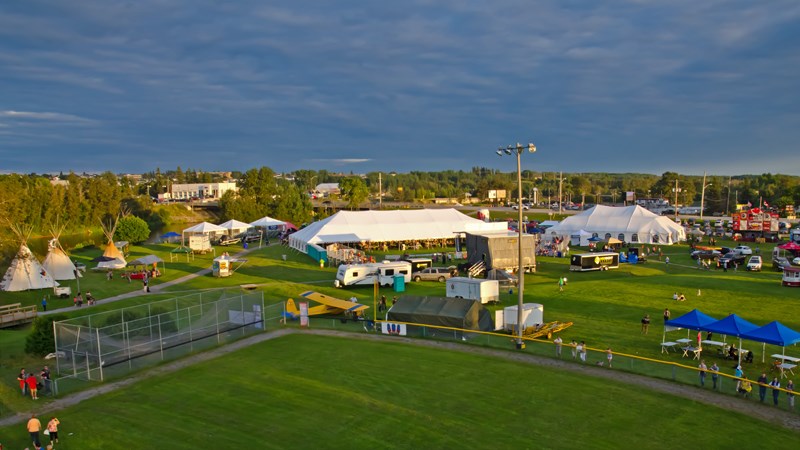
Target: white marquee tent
x=235, y=227
x=632, y=224
x=269, y=223
x=385, y=226
x=205, y=228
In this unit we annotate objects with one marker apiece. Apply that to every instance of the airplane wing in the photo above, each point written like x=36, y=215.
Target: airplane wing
x=331, y=302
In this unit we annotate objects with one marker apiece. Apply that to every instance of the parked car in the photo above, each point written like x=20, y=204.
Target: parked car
x=439, y=274
x=796, y=261
x=731, y=260
x=743, y=250
x=779, y=262
x=524, y=206
x=754, y=264
x=706, y=254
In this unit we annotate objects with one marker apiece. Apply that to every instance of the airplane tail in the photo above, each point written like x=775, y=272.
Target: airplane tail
x=291, y=309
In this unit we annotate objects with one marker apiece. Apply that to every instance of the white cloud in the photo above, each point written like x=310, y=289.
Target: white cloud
x=45, y=116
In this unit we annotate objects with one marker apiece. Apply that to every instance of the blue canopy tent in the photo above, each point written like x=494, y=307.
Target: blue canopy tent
x=693, y=320
x=732, y=325
x=774, y=333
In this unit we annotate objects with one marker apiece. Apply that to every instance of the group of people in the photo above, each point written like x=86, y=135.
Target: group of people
x=34, y=427
x=29, y=384
x=679, y=297
x=744, y=387
x=77, y=301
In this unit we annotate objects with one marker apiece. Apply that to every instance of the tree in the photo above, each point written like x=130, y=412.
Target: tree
x=41, y=341
x=354, y=190
x=132, y=229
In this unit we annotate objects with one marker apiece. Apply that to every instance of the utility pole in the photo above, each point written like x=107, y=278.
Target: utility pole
x=703, y=196
x=560, y=182
x=728, y=202
x=380, y=190
x=676, y=199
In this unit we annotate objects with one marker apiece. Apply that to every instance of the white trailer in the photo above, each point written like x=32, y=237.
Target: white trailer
x=487, y=291
x=383, y=272
x=532, y=317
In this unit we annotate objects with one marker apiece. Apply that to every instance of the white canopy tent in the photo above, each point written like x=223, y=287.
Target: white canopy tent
x=235, y=227
x=205, y=228
x=385, y=226
x=632, y=224
x=580, y=238
x=269, y=223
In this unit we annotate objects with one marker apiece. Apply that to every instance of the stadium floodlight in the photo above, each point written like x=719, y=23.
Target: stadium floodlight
x=510, y=150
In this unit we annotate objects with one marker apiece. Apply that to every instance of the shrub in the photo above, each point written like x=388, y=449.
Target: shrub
x=41, y=341
x=132, y=229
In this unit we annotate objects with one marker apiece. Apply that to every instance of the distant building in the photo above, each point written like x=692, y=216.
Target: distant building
x=326, y=189
x=55, y=181
x=211, y=191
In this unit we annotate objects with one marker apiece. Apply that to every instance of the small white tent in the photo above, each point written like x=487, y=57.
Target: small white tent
x=57, y=263
x=632, y=224
x=204, y=228
x=580, y=238
x=25, y=271
x=235, y=227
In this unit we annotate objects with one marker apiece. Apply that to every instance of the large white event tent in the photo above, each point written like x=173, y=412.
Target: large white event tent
x=386, y=226
x=632, y=224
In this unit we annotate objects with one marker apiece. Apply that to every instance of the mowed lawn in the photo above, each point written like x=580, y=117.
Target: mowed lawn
x=304, y=391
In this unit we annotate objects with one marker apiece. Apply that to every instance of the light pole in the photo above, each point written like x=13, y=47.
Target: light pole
x=703, y=196
x=518, y=149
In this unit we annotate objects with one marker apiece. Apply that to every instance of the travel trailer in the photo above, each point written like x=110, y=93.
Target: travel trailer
x=487, y=291
x=583, y=262
x=383, y=272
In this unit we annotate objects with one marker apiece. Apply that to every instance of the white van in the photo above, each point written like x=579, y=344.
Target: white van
x=383, y=272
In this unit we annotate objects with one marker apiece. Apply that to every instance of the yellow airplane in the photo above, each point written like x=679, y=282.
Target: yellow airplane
x=328, y=306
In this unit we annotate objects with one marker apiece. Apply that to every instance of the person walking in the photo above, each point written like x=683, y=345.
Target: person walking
x=703, y=369
x=23, y=386
x=738, y=374
x=666, y=260
x=34, y=427
x=52, y=430
x=557, y=341
x=44, y=303
x=775, y=384
x=582, y=351
x=574, y=348
x=763, y=381
x=645, y=323
x=609, y=356
x=666, y=314
x=560, y=284
x=790, y=395
x=45, y=376
x=714, y=375
x=32, y=388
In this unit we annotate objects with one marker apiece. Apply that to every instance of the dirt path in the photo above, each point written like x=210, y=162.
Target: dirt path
x=731, y=403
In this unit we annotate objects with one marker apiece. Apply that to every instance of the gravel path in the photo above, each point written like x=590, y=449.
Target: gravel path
x=731, y=403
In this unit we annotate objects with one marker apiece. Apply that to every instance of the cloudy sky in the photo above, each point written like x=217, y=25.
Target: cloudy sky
x=620, y=86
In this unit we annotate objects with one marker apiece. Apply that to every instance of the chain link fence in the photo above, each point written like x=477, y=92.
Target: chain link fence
x=113, y=343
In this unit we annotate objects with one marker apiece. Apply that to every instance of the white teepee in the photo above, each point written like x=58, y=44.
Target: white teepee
x=111, y=251
x=25, y=271
x=57, y=263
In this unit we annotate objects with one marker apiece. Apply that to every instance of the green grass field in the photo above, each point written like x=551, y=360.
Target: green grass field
x=605, y=306
x=313, y=392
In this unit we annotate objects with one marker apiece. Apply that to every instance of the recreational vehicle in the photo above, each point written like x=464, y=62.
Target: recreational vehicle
x=383, y=272
x=583, y=262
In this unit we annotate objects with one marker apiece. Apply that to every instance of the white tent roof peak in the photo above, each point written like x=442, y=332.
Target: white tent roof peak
x=234, y=224
x=204, y=227
x=267, y=221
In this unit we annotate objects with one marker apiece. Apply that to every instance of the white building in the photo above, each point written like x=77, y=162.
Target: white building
x=201, y=190
x=326, y=189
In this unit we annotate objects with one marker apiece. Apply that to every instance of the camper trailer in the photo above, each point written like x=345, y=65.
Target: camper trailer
x=583, y=262
x=487, y=291
x=532, y=317
x=383, y=272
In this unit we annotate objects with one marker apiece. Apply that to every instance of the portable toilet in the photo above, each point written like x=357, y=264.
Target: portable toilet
x=399, y=283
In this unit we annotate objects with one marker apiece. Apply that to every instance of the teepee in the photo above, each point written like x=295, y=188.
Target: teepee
x=25, y=271
x=57, y=263
x=116, y=260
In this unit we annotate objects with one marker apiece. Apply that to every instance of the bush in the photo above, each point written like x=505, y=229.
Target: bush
x=132, y=229
x=41, y=341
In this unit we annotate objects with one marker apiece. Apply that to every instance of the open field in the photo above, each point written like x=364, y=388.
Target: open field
x=304, y=391
x=605, y=306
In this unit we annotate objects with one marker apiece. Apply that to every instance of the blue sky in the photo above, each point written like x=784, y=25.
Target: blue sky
x=618, y=86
